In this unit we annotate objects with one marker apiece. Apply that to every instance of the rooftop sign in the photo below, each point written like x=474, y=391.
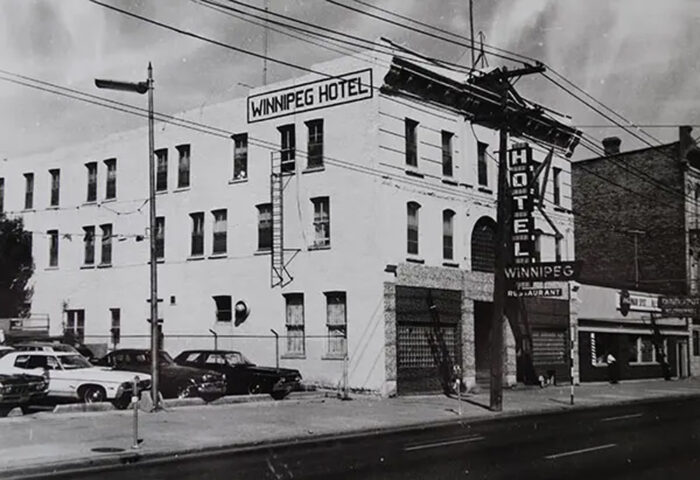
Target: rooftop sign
x=544, y=272
x=329, y=92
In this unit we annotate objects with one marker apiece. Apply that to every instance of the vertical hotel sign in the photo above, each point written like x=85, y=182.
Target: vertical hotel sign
x=520, y=173
x=305, y=97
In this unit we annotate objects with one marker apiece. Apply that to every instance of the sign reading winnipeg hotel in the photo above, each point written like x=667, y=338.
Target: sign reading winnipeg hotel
x=327, y=92
x=525, y=270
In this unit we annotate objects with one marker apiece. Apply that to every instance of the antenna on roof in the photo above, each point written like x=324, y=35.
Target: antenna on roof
x=471, y=30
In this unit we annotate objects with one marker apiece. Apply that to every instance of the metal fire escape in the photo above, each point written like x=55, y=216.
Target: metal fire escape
x=279, y=275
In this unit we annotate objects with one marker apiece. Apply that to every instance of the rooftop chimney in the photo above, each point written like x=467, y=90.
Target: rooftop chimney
x=611, y=145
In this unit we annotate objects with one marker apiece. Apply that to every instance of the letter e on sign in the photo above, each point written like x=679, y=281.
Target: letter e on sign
x=520, y=225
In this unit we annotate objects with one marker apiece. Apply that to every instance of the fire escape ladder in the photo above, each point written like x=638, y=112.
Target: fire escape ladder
x=279, y=276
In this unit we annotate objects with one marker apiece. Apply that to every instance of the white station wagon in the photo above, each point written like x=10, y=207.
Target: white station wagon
x=71, y=376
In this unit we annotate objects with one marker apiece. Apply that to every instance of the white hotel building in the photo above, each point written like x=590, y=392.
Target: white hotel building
x=334, y=219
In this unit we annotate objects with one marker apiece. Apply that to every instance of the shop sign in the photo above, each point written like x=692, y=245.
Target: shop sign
x=544, y=272
x=637, y=302
x=679, y=306
x=328, y=92
x=535, y=292
x=521, y=193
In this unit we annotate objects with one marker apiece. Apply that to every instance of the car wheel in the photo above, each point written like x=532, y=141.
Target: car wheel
x=27, y=409
x=93, y=394
x=122, y=403
x=254, y=388
x=279, y=394
x=210, y=397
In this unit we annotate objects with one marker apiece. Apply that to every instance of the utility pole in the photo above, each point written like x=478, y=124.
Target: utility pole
x=503, y=241
x=471, y=30
x=141, y=88
x=264, y=75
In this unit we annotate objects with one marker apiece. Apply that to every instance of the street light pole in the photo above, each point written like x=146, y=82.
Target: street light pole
x=141, y=88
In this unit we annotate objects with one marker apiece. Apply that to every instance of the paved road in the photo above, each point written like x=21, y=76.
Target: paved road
x=644, y=441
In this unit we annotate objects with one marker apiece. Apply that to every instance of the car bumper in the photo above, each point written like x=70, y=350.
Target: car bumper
x=286, y=385
x=211, y=388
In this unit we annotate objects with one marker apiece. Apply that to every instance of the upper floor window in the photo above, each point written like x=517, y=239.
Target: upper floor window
x=53, y=248
x=322, y=222
x=315, y=143
x=89, y=245
x=556, y=177
x=288, y=147
x=183, y=166
x=448, y=234
x=219, y=245
x=161, y=169
x=197, y=246
x=412, y=227
x=411, y=134
x=28, y=191
x=2, y=194
x=224, y=311
x=111, y=185
x=482, y=166
x=55, y=186
x=483, y=245
x=265, y=226
x=91, y=181
x=240, y=156
x=447, y=153
x=106, y=246
x=160, y=238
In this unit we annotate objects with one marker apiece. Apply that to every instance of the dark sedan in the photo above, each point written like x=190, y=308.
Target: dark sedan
x=243, y=376
x=175, y=381
x=20, y=390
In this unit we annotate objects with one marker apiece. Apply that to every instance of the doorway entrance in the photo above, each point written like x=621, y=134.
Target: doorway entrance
x=483, y=317
x=682, y=359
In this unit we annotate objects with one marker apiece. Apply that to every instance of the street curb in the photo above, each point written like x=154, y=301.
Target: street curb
x=127, y=458
x=185, y=402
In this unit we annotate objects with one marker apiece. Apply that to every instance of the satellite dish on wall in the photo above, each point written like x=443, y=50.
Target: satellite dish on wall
x=241, y=312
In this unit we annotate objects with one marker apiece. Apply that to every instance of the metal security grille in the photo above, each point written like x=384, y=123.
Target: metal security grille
x=428, y=344
x=416, y=350
x=549, y=347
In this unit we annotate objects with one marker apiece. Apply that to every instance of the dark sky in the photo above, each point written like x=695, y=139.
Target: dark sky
x=640, y=57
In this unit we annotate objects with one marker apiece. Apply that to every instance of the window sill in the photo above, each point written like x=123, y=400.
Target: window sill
x=89, y=202
x=561, y=209
x=28, y=210
x=181, y=189
x=485, y=190
x=158, y=260
x=161, y=192
x=238, y=180
x=293, y=356
x=109, y=200
x=415, y=260
x=194, y=258
x=87, y=267
x=450, y=264
x=466, y=185
x=320, y=168
x=51, y=268
x=289, y=173
x=333, y=356
x=414, y=173
x=266, y=251
x=319, y=247
x=52, y=207
x=449, y=181
x=215, y=256
x=104, y=265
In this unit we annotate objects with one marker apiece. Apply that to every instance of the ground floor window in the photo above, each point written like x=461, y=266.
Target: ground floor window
x=601, y=345
x=336, y=322
x=294, y=323
x=74, y=330
x=642, y=349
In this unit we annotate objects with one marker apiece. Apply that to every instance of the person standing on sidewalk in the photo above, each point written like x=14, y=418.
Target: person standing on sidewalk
x=612, y=367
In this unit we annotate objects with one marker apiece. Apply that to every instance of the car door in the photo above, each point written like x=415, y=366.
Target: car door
x=61, y=382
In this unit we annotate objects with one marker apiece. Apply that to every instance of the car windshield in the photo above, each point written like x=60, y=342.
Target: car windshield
x=71, y=362
x=145, y=358
x=237, y=358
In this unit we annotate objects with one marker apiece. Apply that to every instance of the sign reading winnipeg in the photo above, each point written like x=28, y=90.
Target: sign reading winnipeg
x=544, y=272
x=328, y=92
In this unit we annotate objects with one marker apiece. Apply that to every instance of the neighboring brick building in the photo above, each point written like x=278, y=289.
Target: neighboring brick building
x=637, y=229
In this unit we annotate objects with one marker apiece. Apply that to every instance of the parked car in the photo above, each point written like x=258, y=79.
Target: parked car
x=20, y=390
x=45, y=347
x=5, y=349
x=71, y=376
x=174, y=381
x=242, y=375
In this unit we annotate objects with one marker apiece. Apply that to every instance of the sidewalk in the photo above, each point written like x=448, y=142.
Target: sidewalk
x=67, y=440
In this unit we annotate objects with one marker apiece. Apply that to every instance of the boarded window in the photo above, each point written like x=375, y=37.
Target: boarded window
x=295, y=323
x=336, y=322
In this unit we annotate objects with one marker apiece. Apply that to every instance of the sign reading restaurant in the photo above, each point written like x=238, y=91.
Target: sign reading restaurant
x=328, y=92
